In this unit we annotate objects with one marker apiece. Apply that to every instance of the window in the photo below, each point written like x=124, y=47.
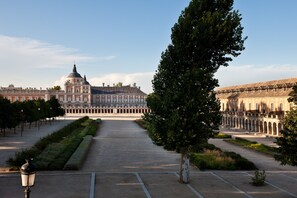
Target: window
x=250, y=106
x=281, y=107
x=272, y=107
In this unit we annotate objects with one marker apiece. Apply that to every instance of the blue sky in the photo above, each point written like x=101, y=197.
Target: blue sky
x=121, y=41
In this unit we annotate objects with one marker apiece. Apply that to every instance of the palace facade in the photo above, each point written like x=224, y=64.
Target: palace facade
x=258, y=107
x=79, y=97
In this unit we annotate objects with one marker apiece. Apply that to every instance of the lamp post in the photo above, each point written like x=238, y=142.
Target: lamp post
x=22, y=122
x=28, y=174
x=38, y=123
x=50, y=115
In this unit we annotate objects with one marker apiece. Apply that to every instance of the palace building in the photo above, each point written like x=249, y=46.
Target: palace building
x=258, y=107
x=79, y=97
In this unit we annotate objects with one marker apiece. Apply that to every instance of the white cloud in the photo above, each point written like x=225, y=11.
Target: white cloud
x=25, y=52
x=60, y=82
x=142, y=80
x=237, y=75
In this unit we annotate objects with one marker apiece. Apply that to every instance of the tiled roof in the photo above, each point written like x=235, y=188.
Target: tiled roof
x=274, y=83
x=117, y=90
x=275, y=88
x=255, y=94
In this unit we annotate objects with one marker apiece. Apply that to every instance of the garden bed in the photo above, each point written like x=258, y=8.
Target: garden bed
x=54, y=150
x=253, y=145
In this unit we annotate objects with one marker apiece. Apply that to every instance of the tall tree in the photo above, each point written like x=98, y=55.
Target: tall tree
x=208, y=33
x=287, y=150
x=57, y=88
x=55, y=107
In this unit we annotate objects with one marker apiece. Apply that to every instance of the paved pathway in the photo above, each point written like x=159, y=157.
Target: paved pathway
x=122, y=146
x=13, y=142
x=123, y=162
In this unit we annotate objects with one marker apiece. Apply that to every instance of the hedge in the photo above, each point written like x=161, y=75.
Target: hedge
x=77, y=158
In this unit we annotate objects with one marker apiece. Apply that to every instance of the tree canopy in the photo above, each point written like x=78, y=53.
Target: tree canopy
x=12, y=114
x=184, y=108
x=287, y=150
x=57, y=88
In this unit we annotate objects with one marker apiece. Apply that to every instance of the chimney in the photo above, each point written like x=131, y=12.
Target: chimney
x=103, y=84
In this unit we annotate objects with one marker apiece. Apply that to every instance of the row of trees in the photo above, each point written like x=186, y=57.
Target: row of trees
x=13, y=114
x=184, y=109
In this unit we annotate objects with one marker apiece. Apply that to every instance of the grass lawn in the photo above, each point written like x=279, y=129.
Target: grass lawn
x=253, y=146
x=222, y=136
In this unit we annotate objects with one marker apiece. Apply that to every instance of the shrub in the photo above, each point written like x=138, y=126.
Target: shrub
x=219, y=160
x=222, y=135
x=142, y=123
x=254, y=146
x=61, y=160
x=259, y=178
x=39, y=147
x=21, y=156
x=76, y=159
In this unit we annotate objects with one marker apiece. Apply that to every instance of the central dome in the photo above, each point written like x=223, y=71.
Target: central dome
x=74, y=73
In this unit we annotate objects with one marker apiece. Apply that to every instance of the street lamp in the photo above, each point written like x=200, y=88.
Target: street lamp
x=50, y=115
x=38, y=123
x=22, y=122
x=28, y=177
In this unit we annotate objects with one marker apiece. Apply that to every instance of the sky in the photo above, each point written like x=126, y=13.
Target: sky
x=113, y=41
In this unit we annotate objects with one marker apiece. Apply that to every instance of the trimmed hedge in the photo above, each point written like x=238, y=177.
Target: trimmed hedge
x=56, y=154
x=77, y=158
x=222, y=136
x=56, y=137
x=253, y=145
x=143, y=124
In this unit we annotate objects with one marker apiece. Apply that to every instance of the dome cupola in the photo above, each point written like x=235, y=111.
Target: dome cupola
x=74, y=73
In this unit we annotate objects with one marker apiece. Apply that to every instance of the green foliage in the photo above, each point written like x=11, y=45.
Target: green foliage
x=70, y=147
x=222, y=136
x=44, y=142
x=184, y=109
x=259, y=178
x=287, y=151
x=262, y=148
x=142, y=123
x=8, y=114
x=27, y=111
x=77, y=158
x=57, y=88
x=216, y=159
x=48, y=155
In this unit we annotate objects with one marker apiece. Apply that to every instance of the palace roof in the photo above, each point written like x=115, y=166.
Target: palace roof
x=74, y=73
x=117, y=90
x=268, y=84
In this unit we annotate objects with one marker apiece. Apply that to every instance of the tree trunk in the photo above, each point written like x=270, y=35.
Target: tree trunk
x=184, y=172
